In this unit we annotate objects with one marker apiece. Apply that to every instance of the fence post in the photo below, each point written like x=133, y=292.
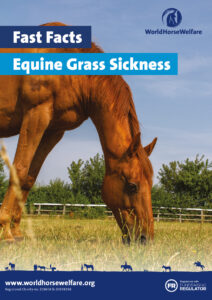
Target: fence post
x=180, y=215
x=64, y=209
x=158, y=216
x=202, y=216
x=39, y=209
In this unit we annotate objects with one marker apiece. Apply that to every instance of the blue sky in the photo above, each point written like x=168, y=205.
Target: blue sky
x=176, y=109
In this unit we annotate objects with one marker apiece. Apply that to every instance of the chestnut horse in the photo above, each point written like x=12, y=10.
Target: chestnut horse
x=41, y=108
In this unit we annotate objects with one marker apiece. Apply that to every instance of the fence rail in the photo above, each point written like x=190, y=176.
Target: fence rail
x=160, y=213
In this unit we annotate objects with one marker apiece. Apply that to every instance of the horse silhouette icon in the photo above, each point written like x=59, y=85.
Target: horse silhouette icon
x=89, y=267
x=166, y=268
x=172, y=19
x=126, y=267
x=52, y=268
x=42, y=268
x=198, y=264
x=12, y=266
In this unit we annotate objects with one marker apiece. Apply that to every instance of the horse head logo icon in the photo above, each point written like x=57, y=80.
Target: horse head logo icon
x=171, y=17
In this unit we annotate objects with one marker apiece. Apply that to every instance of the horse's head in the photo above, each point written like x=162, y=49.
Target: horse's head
x=127, y=190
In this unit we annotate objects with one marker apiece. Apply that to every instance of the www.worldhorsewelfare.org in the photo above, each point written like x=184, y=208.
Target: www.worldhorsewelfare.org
x=173, y=31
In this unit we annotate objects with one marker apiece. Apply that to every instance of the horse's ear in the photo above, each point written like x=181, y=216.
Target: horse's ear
x=134, y=144
x=149, y=148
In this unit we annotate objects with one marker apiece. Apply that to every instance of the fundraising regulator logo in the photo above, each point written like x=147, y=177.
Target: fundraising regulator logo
x=171, y=285
x=172, y=18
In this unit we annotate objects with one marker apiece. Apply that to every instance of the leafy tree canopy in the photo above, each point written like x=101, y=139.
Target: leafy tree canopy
x=190, y=181
x=87, y=177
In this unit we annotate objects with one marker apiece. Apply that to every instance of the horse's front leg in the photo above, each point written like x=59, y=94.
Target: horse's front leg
x=119, y=216
x=35, y=122
x=49, y=140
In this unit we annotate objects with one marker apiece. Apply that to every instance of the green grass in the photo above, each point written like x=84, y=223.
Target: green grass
x=67, y=243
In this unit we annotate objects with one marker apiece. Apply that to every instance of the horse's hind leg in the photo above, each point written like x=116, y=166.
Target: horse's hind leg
x=35, y=122
x=49, y=140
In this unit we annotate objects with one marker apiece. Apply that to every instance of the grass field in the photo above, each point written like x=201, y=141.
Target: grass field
x=68, y=243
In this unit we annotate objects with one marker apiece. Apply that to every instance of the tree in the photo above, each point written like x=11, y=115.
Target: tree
x=57, y=191
x=87, y=177
x=160, y=197
x=75, y=175
x=189, y=182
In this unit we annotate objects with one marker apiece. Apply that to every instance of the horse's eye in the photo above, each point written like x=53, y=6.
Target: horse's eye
x=132, y=187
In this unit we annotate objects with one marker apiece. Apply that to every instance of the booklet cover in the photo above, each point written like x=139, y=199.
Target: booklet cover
x=105, y=155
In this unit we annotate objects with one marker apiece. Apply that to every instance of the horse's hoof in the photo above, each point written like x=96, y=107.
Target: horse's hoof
x=9, y=240
x=18, y=238
x=17, y=234
x=126, y=240
x=143, y=240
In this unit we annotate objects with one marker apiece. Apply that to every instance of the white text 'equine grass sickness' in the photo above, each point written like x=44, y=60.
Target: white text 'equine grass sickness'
x=89, y=64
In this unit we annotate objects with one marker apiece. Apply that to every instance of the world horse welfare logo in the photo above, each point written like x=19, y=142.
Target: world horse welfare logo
x=172, y=18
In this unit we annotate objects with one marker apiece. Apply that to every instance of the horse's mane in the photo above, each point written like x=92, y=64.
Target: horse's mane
x=121, y=101
x=123, y=106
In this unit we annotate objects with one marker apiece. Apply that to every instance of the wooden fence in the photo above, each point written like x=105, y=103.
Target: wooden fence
x=182, y=214
x=160, y=213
